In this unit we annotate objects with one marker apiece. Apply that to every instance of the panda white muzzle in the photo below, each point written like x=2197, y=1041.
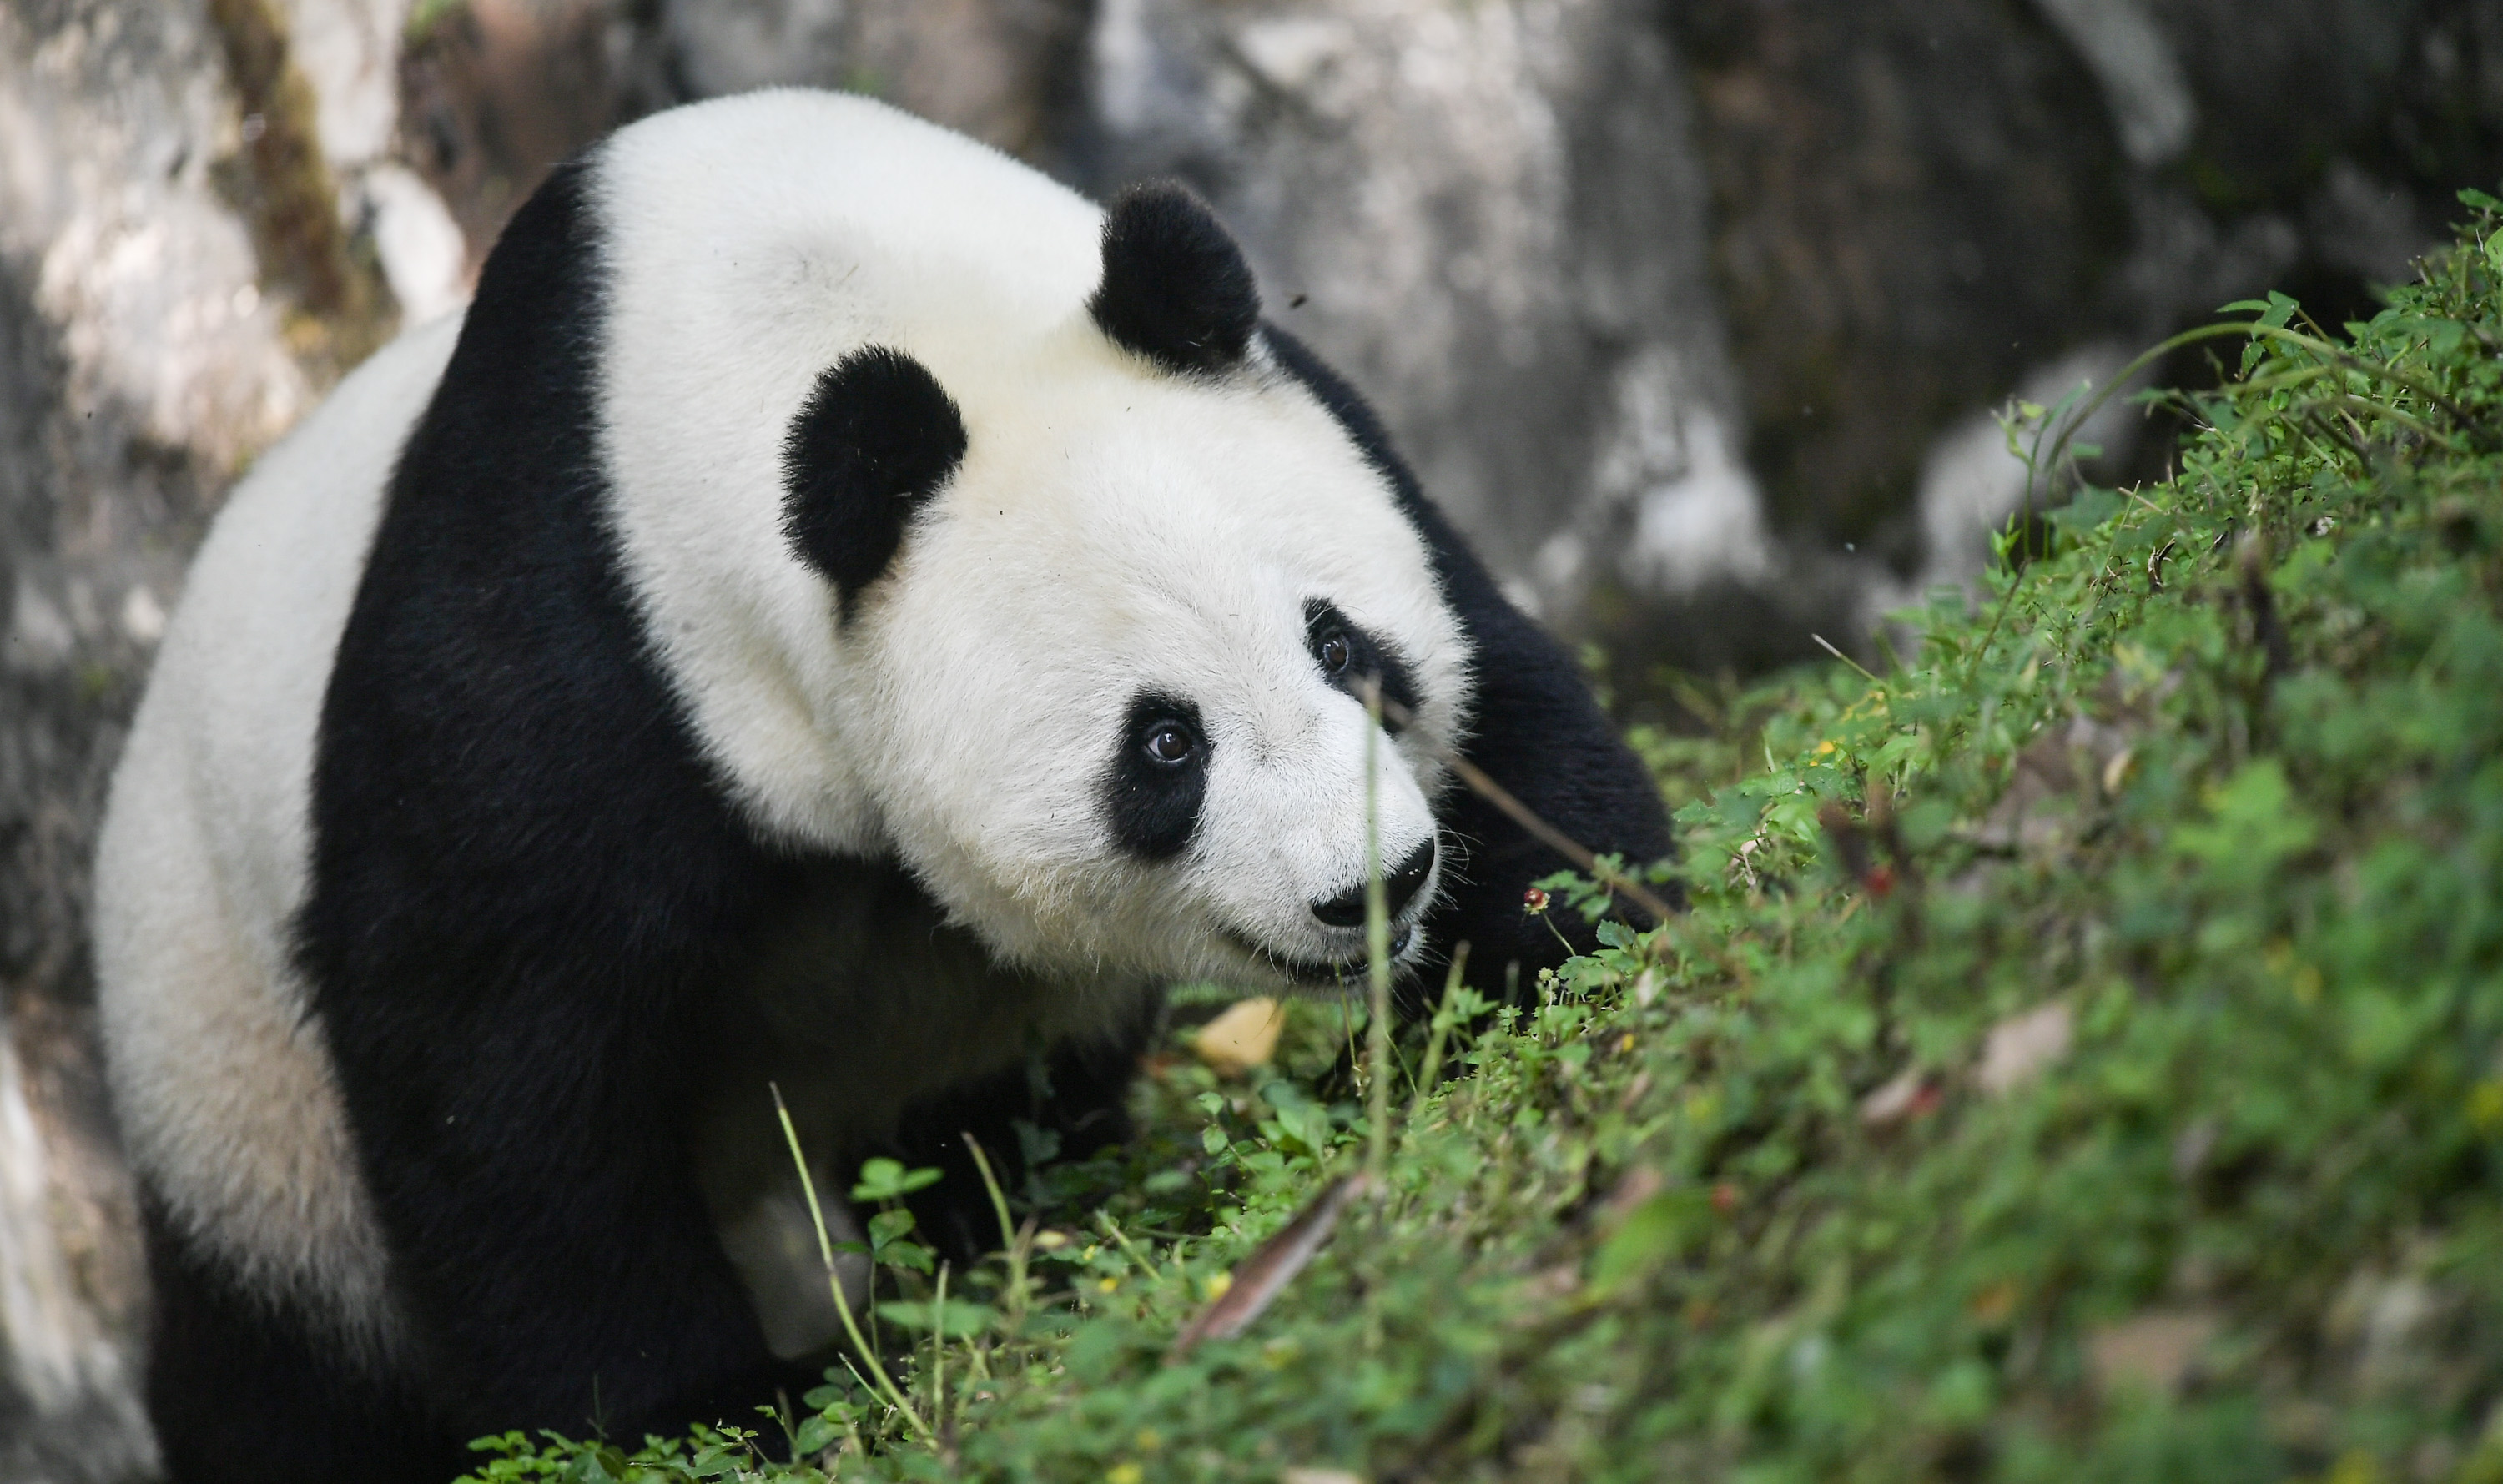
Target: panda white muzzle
x=1400, y=886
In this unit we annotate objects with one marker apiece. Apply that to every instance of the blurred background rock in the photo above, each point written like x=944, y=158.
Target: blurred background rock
x=1692, y=312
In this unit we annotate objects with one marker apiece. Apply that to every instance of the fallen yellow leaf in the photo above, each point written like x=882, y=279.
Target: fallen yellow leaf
x=1242, y=1037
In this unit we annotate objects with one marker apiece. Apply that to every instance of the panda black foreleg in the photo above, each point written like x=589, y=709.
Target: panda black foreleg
x=1076, y=1098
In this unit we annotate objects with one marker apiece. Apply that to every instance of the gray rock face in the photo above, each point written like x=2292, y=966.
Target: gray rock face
x=139, y=362
x=162, y=318
x=1888, y=179
x=999, y=72
x=1492, y=217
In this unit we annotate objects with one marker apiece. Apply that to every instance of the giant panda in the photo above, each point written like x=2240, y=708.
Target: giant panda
x=836, y=609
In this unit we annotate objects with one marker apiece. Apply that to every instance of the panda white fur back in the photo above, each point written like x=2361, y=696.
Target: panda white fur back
x=838, y=610
x=225, y=1098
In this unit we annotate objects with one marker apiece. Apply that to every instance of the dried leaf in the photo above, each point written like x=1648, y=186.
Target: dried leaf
x=2152, y=1350
x=1640, y=1184
x=2020, y=1047
x=1908, y=1095
x=2054, y=776
x=1242, y=1037
x=2190, y=1151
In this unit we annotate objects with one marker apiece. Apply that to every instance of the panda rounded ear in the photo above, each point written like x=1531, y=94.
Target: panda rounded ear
x=1176, y=288
x=876, y=438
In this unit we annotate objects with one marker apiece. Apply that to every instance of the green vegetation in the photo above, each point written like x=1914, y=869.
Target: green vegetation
x=2082, y=1060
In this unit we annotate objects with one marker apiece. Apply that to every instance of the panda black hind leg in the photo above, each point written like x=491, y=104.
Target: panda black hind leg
x=238, y=1395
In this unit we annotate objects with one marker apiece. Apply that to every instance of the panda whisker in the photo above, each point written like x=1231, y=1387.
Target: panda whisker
x=1484, y=786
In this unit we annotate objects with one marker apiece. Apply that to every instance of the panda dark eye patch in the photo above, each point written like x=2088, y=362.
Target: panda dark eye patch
x=1159, y=776
x=1349, y=655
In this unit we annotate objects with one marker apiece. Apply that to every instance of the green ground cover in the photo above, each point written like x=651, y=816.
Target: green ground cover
x=2082, y=1058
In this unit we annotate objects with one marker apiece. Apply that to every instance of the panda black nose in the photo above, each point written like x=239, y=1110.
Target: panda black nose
x=1400, y=888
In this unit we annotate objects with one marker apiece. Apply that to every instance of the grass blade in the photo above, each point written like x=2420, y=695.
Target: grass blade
x=885, y=1386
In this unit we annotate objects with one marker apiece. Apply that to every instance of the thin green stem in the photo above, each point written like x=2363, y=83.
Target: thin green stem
x=1441, y=1031
x=939, y=1350
x=991, y=1183
x=2348, y=403
x=885, y=1387
x=1015, y=1242
x=1376, y=951
x=1129, y=1249
x=1826, y=645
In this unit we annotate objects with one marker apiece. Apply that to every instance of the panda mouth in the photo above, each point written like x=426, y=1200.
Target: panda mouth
x=1325, y=973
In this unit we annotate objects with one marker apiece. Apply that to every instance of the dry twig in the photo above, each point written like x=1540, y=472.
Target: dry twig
x=1266, y=1274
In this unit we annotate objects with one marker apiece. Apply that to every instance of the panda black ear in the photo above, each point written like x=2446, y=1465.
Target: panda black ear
x=876, y=439
x=1176, y=288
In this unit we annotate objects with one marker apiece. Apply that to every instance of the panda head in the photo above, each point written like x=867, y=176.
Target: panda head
x=1105, y=609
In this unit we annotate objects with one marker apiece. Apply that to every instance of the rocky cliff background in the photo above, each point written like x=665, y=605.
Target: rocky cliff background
x=1694, y=311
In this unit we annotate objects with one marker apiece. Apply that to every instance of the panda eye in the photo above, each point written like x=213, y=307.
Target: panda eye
x=1335, y=653
x=1170, y=743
